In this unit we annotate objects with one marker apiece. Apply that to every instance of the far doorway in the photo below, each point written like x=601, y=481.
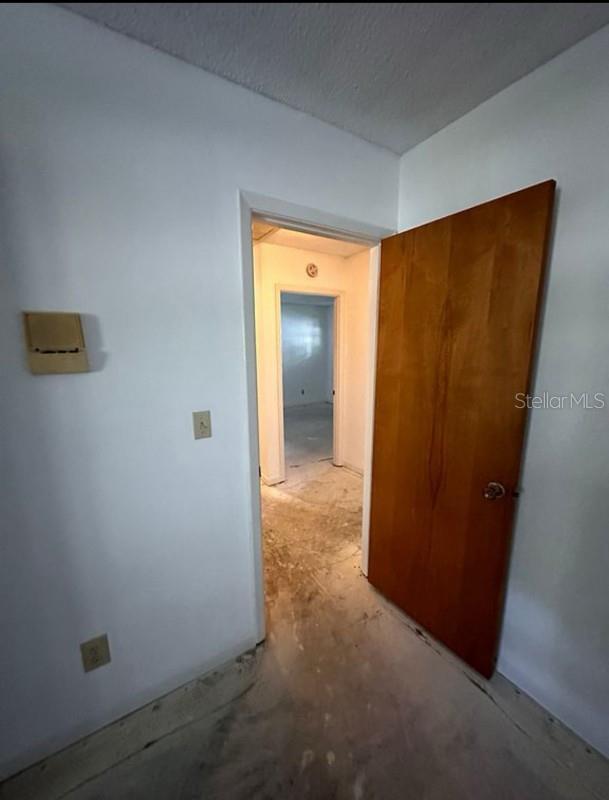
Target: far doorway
x=308, y=359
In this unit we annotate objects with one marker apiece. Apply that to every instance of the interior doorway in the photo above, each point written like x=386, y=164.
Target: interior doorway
x=308, y=379
x=315, y=317
x=259, y=214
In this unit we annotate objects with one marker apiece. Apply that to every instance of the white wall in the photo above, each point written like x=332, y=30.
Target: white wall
x=121, y=170
x=306, y=353
x=552, y=124
x=275, y=266
x=360, y=375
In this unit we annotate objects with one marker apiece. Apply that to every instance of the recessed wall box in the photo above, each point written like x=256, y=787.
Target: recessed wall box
x=55, y=342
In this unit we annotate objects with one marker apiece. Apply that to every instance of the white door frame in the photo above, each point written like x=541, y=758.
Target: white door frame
x=310, y=220
x=338, y=343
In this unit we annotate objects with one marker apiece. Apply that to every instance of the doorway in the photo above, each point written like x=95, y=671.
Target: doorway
x=307, y=365
x=315, y=315
x=265, y=211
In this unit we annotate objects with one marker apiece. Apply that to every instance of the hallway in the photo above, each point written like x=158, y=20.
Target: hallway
x=345, y=700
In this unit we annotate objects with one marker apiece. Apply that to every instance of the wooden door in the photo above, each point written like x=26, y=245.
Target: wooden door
x=458, y=307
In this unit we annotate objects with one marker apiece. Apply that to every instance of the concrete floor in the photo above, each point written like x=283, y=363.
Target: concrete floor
x=347, y=699
x=308, y=433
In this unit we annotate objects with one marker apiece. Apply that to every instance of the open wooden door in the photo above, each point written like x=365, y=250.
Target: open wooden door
x=458, y=307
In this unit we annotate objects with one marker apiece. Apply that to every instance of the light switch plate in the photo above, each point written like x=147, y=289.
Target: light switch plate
x=95, y=652
x=201, y=421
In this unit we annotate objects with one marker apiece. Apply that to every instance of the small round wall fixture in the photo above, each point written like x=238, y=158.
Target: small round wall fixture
x=312, y=270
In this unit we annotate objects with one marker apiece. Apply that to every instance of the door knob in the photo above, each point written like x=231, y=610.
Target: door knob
x=494, y=490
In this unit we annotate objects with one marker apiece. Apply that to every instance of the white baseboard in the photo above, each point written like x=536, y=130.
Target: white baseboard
x=271, y=481
x=353, y=468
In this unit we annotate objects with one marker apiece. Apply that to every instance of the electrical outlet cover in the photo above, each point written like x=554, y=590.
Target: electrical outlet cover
x=201, y=422
x=95, y=652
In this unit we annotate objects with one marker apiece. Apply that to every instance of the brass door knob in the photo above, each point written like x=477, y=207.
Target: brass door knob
x=494, y=490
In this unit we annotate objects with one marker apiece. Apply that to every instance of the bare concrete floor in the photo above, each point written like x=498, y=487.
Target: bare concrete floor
x=308, y=433
x=345, y=700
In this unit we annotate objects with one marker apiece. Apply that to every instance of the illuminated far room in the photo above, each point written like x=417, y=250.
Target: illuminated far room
x=313, y=345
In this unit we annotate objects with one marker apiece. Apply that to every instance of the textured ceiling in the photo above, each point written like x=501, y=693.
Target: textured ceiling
x=391, y=73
